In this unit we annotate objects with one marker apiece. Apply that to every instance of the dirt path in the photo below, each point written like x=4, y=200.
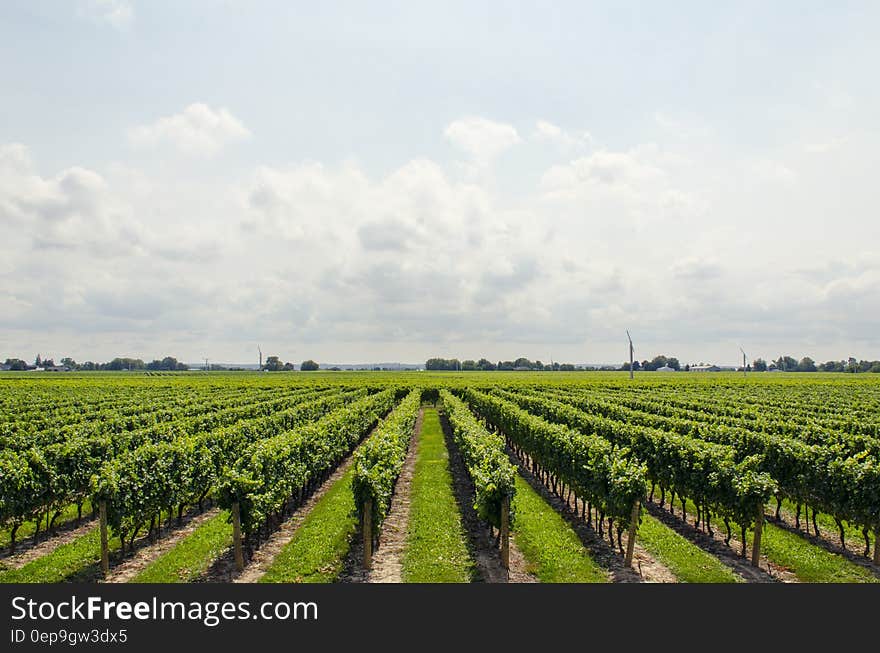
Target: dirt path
x=46, y=547
x=481, y=544
x=388, y=557
x=145, y=555
x=729, y=555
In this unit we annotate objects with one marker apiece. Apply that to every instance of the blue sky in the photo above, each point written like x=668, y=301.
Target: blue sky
x=391, y=181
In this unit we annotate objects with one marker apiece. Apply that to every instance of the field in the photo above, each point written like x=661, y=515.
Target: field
x=439, y=477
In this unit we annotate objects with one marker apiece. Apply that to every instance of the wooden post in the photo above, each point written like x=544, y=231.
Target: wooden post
x=105, y=550
x=236, y=536
x=505, y=532
x=368, y=534
x=877, y=546
x=756, y=545
x=633, y=529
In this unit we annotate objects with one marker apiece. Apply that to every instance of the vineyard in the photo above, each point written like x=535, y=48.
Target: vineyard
x=423, y=477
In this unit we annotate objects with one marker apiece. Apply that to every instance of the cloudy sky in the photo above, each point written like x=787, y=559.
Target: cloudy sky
x=353, y=183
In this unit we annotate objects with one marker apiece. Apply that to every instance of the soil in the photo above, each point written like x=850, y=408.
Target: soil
x=481, y=543
x=143, y=557
x=768, y=572
x=388, y=556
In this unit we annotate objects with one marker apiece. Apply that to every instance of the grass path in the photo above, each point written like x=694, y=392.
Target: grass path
x=436, y=543
x=688, y=562
x=316, y=553
x=190, y=557
x=64, y=520
x=791, y=553
x=78, y=560
x=553, y=551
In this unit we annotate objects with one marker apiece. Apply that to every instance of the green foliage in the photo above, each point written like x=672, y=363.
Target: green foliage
x=608, y=477
x=270, y=470
x=378, y=462
x=485, y=458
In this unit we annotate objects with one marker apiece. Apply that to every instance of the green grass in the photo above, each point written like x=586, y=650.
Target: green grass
x=68, y=514
x=826, y=522
x=191, y=556
x=688, y=562
x=316, y=553
x=436, y=546
x=553, y=551
x=809, y=562
x=74, y=560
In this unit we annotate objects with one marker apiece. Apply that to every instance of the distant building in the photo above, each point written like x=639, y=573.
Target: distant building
x=665, y=368
x=705, y=368
x=56, y=368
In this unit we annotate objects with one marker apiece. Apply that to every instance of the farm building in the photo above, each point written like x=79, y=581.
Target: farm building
x=705, y=368
x=665, y=368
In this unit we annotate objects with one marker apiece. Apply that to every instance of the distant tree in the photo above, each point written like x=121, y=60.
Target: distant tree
x=308, y=366
x=68, y=362
x=38, y=362
x=273, y=364
x=523, y=362
x=759, y=365
x=16, y=364
x=852, y=365
x=119, y=364
x=566, y=367
x=786, y=364
x=485, y=365
x=469, y=366
x=661, y=361
x=806, y=364
x=289, y=367
x=687, y=368
x=875, y=368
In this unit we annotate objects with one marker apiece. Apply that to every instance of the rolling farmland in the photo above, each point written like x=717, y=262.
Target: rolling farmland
x=433, y=477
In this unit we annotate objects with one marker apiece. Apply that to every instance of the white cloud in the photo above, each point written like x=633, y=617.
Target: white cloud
x=117, y=13
x=198, y=130
x=482, y=139
x=774, y=172
x=547, y=132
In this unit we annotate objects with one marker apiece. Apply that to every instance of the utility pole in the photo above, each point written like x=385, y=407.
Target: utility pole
x=744, y=361
x=261, y=358
x=631, y=375
x=206, y=365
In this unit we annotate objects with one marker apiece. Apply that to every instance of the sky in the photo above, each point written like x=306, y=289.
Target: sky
x=356, y=182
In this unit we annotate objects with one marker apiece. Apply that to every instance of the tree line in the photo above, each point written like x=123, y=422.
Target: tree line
x=120, y=364
x=485, y=365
